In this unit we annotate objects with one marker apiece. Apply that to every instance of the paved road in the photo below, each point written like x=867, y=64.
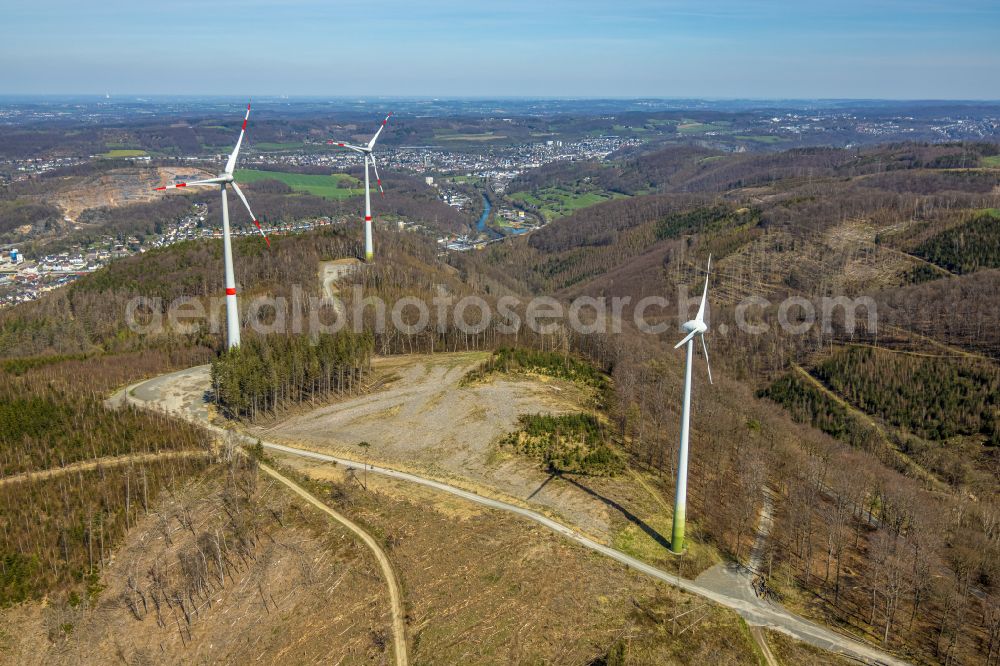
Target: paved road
x=733, y=580
x=755, y=611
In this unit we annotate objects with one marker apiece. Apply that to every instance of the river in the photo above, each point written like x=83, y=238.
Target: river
x=481, y=225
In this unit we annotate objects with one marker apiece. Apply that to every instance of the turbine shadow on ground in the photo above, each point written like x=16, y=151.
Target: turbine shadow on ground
x=544, y=483
x=631, y=517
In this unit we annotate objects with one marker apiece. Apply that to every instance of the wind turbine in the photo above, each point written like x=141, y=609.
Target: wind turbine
x=694, y=327
x=224, y=180
x=366, y=150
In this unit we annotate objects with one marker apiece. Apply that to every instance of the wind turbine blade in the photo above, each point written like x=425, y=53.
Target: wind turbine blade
x=708, y=365
x=342, y=144
x=231, y=163
x=246, y=203
x=704, y=294
x=371, y=143
x=377, y=179
x=685, y=340
x=210, y=181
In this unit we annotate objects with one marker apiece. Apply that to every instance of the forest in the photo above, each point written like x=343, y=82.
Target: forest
x=59, y=525
x=20, y=212
x=267, y=373
x=959, y=311
x=885, y=519
x=967, y=247
x=853, y=549
x=42, y=427
x=936, y=398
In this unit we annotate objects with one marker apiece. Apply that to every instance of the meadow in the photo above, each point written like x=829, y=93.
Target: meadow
x=555, y=202
x=337, y=186
x=448, y=135
x=276, y=146
x=125, y=152
x=695, y=127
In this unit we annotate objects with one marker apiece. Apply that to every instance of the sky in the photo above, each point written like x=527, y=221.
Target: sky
x=794, y=49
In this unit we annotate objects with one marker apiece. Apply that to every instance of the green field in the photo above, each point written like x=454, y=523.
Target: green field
x=628, y=128
x=991, y=161
x=555, y=202
x=694, y=127
x=125, y=152
x=331, y=187
x=447, y=135
x=268, y=145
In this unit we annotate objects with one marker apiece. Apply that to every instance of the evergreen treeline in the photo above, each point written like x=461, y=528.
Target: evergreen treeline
x=553, y=364
x=707, y=219
x=267, y=373
x=935, y=398
x=54, y=415
x=574, y=443
x=960, y=464
x=809, y=405
x=21, y=365
x=968, y=247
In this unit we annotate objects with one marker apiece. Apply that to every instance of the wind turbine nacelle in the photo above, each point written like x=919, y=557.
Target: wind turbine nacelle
x=694, y=326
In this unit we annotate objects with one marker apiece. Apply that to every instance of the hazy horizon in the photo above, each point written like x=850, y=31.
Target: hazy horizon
x=680, y=49
x=271, y=96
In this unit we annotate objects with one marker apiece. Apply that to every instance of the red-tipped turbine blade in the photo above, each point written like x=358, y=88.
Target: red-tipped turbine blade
x=231, y=162
x=342, y=144
x=266, y=239
x=371, y=143
x=209, y=181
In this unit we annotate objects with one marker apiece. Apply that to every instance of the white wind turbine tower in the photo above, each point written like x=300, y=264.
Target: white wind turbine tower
x=224, y=180
x=695, y=327
x=366, y=150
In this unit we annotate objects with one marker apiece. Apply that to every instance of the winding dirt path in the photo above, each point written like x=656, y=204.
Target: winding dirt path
x=765, y=649
x=172, y=393
x=756, y=612
x=110, y=461
x=395, y=594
